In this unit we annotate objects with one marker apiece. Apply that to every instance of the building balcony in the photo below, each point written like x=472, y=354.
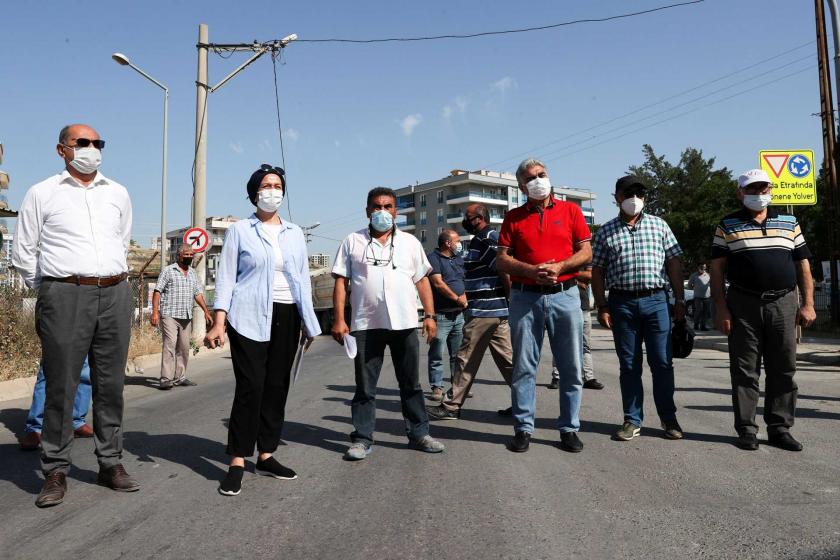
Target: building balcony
x=457, y=218
x=405, y=209
x=477, y=196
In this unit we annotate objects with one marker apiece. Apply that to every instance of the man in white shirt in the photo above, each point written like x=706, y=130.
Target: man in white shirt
x=71, y=242
x=381, y=267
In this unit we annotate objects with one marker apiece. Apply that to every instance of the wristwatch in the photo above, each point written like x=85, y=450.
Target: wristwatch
x=428, y=316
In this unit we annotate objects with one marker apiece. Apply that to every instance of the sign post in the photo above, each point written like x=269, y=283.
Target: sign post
x=197, y=238
x=792, y=175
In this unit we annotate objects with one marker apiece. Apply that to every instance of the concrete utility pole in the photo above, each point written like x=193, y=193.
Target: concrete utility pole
x=829, y=159
x=203, y=89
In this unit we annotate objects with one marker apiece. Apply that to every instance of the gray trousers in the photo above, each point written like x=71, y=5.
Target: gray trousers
x=763, y=332
x=74, y=322
x=588, y=369
x=176, y=348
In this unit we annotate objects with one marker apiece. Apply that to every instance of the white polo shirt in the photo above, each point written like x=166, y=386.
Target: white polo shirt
x=382, y=279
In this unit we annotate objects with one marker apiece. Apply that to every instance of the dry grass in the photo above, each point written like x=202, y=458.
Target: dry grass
x=20, y=348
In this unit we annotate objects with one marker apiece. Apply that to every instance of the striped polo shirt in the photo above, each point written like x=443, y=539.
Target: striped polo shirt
x=485, y=291
x=760, y=256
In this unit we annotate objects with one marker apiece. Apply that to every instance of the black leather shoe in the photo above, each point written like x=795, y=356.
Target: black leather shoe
x=520, y=442
x=784, y=441
x=593, y=384
x=569, y=441
x=505, y=411
x=747, y=441
x=52, y=494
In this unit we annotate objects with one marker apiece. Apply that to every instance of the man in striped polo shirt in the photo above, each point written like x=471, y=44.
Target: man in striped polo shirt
x=764, y=257
x=487, y=315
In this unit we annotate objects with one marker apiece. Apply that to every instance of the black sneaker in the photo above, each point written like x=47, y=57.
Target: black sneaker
x=440, y=412
x=506, y=412
x=232, y=484
x=593, y=384
x=555, y=383
x=569, y=441
x=272, y=467
x=520, y=442
x=784, y=441
x=747, y=441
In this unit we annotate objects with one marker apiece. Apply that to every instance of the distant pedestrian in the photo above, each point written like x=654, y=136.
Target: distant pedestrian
x=264, y=295
x=486, y=323
x=172, y=309
x=84, y=306
x=584, y=277
x=700, y=282
x=543, y=246
x=447, y=279
x=31, y=439
x=763, y=254
x=384, y=270
x=635, y=255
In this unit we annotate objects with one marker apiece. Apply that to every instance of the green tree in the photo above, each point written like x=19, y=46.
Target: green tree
x=692, y=196
x=814, y=221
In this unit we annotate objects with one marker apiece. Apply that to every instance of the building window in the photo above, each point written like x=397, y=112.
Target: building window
x=440, y=197
x=423, y=217
x=422, y=200
x=422, y=236
x=440, y=215
x=439, y=230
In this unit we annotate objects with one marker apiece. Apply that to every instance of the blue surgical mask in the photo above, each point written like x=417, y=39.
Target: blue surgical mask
x=382, y=221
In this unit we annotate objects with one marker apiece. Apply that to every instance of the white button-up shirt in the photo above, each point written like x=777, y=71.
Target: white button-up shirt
x=65, y=229
x=382, y=288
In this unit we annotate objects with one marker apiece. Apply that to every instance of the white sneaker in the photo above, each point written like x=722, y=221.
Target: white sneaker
x=426, y=444
x=357, y=451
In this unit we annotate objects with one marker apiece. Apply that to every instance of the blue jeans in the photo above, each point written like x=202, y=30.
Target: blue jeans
x=35, y=420
x=635, y=320
x=531, y=315
x=450, y=332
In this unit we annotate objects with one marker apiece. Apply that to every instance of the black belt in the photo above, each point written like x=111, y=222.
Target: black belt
x=636, y=293
x=101, y=281
x=451, y=313
x=553, y=289
x=767, y=295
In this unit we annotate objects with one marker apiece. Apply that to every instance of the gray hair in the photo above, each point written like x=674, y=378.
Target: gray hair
x=526, y=163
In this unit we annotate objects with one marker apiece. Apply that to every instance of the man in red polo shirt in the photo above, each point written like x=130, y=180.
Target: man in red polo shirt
x=543, y=244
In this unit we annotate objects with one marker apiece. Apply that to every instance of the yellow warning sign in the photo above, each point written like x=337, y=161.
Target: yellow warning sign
x=792, y=175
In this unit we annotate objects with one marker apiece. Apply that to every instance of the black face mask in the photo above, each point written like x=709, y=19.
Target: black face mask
x=468, y=227
x=187, y=261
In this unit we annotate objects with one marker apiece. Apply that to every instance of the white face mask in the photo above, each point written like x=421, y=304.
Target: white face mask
x=538, y=188
x=458, y=248
x=757, y=202
x=269, y=200
x=86, y=160
x=632, y=206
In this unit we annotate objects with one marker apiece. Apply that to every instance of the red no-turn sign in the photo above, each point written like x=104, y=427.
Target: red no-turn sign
x=197, y=238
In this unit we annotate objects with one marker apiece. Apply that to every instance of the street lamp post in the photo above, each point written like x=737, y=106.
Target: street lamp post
x=123, y=60
x=307, y=229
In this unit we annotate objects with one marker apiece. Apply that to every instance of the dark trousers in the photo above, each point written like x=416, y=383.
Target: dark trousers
x=75, y=322
x=405, y=354
x=262, y=371
x=702, y=313
x=763, y=331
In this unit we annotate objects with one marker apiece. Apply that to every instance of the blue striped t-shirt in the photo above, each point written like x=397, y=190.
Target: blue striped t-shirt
x=485, y=291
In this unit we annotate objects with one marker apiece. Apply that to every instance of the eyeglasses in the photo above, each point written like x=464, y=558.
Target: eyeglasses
x=372, y=260
x=270, y=168
x=635, y=190
x=85, y=142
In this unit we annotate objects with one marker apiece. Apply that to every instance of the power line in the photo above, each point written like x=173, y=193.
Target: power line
x=274, y=56
x=655, y=103
x=503, y=32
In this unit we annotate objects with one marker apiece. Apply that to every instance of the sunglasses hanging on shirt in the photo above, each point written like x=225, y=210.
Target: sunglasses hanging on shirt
x=380, y=262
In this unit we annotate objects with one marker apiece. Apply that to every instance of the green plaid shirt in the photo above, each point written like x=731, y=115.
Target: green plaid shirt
x=634, y=256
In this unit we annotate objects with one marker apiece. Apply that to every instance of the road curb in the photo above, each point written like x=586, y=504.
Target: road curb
x=23, y=387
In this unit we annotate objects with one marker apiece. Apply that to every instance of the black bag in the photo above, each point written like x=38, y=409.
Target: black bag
x=682, y=340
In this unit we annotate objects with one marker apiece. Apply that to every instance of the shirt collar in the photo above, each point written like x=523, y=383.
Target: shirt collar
x=254, y=221
x=745, y=214
x=534, y=208
x=370, y=238
x=65, y=177
x=444, y=256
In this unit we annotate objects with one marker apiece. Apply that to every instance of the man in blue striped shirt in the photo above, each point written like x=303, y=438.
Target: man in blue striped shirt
x=487, y=315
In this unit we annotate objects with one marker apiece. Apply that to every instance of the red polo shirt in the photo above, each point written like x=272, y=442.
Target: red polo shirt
x=536, y=235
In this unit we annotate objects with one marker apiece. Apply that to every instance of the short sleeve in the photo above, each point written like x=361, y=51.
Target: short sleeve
x=599, y=249
x=343, y=263
x=163, y=281
x=719, y=247
x=672, y=248
x=434, y=262
x=580, y=230
x=421, y=264
x=800, y=249
x=506, y=235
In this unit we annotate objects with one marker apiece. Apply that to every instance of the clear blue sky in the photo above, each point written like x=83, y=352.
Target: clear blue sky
x=358, y=116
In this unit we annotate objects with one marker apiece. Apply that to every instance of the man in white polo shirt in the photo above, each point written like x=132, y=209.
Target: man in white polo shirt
x=381, y=267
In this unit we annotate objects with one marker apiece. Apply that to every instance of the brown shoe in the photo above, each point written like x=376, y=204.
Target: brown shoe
x=84, y=431
x=117, y=479
x=30, y=441
x=52, y=494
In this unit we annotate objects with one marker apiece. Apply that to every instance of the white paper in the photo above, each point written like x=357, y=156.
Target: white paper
x=298, y=360
x=350, y=345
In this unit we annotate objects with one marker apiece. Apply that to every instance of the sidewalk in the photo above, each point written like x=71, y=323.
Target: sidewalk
x=820, y=351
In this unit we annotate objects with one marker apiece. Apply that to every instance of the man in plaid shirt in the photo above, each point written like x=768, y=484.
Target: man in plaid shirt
x=176, y=288
x=634, y=256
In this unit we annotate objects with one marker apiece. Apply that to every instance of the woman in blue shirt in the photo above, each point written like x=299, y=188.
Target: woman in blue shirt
x=264, y=296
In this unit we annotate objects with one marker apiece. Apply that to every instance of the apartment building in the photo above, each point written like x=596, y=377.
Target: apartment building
x=429, y=208
x=216, y=227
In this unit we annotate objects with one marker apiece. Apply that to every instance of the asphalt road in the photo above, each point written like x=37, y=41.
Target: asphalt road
x=649, y=498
